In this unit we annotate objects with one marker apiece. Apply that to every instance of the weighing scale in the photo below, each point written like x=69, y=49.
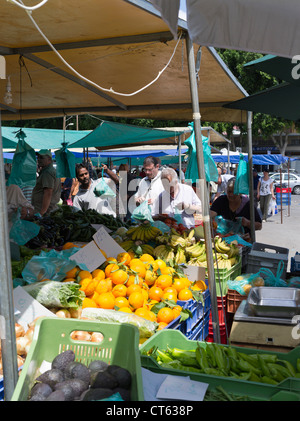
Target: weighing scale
x=264, y=332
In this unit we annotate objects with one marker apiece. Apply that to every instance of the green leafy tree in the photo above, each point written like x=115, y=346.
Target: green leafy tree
x=264, y=125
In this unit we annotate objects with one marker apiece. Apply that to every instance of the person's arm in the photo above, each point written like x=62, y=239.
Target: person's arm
x=272, y=190
x=46, y=200
x=110, y=173
x=258, y=189
x=247, y=223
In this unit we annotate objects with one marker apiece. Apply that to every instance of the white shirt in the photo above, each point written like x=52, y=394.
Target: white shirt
x=165, y=204
x=222, y=188
x=150, y=189
x=265, y=185
x=86, y=199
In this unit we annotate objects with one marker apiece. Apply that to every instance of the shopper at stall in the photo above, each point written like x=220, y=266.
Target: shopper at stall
x=232, y=206
x=265, y=191
x=177, y=199
x=86, y=198
x=15, y=200
x=222, y=182
x=256, y=179
x=47, y=191
x=150, y=186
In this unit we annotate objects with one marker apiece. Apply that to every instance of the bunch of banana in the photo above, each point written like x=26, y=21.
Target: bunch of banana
x=162, y=239
x=180, y=256
x=143, y=232
x=196, y=250
x=147, y=249
x=177, y=240
x=223, y=264
x=183, y=240
x=198, y=262
x=127, y=245
x=164, y=252
x=221, y=246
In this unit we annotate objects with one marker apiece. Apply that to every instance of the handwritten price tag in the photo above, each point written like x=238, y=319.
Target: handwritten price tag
x=106, y=243
x=90, y=256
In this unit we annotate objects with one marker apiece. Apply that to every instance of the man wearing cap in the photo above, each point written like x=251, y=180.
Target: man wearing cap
x=47, y=191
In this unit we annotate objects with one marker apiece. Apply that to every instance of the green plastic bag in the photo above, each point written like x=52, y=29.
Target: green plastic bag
x=22, y=231
x=241, y=185
x=65, y=163
x=142, y=212
x=103, y=190
x=23, y=172
x=192, y=173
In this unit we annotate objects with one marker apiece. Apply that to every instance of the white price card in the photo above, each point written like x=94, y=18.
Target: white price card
x=27, y=309
x=106, y=243
x=181, y=388
x=90, y=256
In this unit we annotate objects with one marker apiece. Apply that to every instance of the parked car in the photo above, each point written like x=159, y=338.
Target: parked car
x=293, y=181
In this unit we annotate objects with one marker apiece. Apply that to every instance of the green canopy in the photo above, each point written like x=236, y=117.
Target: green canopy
x=111, y=134
x=281, y=101
x=280, y=67
x=41, y=138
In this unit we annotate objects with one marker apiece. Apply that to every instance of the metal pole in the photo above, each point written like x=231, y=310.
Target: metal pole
x=179, y=156
x=250, y=165
x=289, y=210
x=205, y=204
x=8, y=337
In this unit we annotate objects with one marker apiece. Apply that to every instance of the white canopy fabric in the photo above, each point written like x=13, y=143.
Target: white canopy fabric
x=262, y=26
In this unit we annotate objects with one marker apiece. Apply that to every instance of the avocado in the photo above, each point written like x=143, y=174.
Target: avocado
x=42, y=389
x=76, y=370
x=57, y=395
x=63, y=359
x=37, y=398
x=103, y=379
x=97, y=365
x=122, y=375
x=51, y=377
x=125, y=393
x=78, y=386
x=96, y=394
x=67, y=389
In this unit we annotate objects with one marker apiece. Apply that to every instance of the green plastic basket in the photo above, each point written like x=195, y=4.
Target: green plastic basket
x=120, y=346
x=223, y=275
x=254, y=390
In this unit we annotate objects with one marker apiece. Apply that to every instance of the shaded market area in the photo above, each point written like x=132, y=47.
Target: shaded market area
x=151, y=272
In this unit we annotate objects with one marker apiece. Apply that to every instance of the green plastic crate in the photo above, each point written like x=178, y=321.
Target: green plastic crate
x=255, y=390
x=222, y=276
x=120, y=345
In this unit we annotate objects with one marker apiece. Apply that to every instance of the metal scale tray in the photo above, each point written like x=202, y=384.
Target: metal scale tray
x=278, y=302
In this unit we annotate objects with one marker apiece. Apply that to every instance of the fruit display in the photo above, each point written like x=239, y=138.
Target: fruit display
x=146, y=287
x=144, y=232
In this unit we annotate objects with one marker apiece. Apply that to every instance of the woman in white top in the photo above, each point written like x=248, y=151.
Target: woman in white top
x=265, y=191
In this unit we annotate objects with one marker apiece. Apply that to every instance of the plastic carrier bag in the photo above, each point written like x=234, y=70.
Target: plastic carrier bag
x=102, y=189
x=226, y=226
x=241, y=185
x=22, y=231
x=23, y=172
x=142, y=212
x=65, y=163
x=51, y=265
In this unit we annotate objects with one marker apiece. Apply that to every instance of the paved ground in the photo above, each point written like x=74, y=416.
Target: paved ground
x=283, y=229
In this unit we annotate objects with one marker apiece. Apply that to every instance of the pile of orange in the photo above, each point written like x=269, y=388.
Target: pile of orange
x=134, y=285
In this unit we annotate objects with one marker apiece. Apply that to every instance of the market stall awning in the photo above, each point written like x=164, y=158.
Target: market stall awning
x=280, y=100
x=264, y=26
x=110, y=134
x=271, y=159
x=108, y=47
x=41, y=138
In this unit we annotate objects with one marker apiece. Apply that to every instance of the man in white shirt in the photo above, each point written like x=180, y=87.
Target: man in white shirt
x=222, y=182
x=150, y=186
x=86, y=198
x=177, y=199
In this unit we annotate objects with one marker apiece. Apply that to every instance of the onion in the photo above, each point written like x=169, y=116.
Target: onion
x=1, y=367
x=80, y=335
x=75, y=312
x=20, y=361
x=63, y=313
x=32, y=324
x=19, y=329
x=29, y=333
x=96, y=337
x=21, y=345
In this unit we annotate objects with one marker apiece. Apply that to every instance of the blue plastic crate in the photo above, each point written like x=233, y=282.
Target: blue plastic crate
x=198, y=313
x=201, y=330
x=1, y=390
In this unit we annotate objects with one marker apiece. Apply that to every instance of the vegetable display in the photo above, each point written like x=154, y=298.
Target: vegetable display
x=69, y=224
x=56, y=294
x=70, y=380
x=225, y=361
